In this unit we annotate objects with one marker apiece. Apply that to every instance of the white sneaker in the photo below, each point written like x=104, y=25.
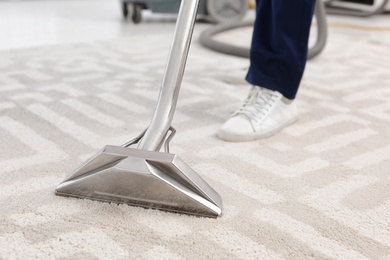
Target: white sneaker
x=264, y=113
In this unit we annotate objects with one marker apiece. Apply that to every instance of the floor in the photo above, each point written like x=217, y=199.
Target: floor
x=74, y=77
x=28, y=23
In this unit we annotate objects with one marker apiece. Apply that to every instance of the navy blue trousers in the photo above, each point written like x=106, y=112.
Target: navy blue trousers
x=280, y=44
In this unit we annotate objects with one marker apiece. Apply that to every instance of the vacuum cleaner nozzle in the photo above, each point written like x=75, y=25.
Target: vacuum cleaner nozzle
x=142, y=178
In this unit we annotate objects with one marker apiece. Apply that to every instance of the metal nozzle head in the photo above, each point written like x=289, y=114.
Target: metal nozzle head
x=142, y=178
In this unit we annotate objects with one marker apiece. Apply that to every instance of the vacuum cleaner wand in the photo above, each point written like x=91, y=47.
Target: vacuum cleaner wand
x=144, y=176
x=169, y=92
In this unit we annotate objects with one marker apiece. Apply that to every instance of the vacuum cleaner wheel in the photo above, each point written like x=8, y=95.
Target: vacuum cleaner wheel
x=135, y=11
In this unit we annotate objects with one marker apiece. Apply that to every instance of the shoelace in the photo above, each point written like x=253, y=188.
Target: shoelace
x=257, y=104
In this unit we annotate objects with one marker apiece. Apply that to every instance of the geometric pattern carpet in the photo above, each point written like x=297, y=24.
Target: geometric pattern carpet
x=317, y=190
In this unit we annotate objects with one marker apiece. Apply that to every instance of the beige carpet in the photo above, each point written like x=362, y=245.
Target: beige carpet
x=318, y=190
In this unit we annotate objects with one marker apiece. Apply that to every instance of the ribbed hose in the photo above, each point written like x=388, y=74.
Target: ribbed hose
x=206, y=38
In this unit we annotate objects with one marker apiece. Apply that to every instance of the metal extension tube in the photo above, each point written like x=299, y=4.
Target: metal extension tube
x=169, y=93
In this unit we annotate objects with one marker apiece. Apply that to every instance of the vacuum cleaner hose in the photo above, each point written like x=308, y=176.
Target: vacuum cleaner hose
x=207, y=40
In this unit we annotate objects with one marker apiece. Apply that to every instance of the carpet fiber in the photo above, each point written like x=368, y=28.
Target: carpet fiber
x=317, y=190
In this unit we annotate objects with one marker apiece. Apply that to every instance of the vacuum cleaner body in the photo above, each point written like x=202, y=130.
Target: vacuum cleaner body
x=145, y=176
x=164, y=6
x=212, y=10
x=362, y=8
x=167, y=6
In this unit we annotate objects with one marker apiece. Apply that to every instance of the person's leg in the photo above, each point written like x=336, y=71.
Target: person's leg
x=280, y=44
x=277, y=62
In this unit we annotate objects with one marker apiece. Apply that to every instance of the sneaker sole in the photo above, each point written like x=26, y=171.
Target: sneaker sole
x=248, y=138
